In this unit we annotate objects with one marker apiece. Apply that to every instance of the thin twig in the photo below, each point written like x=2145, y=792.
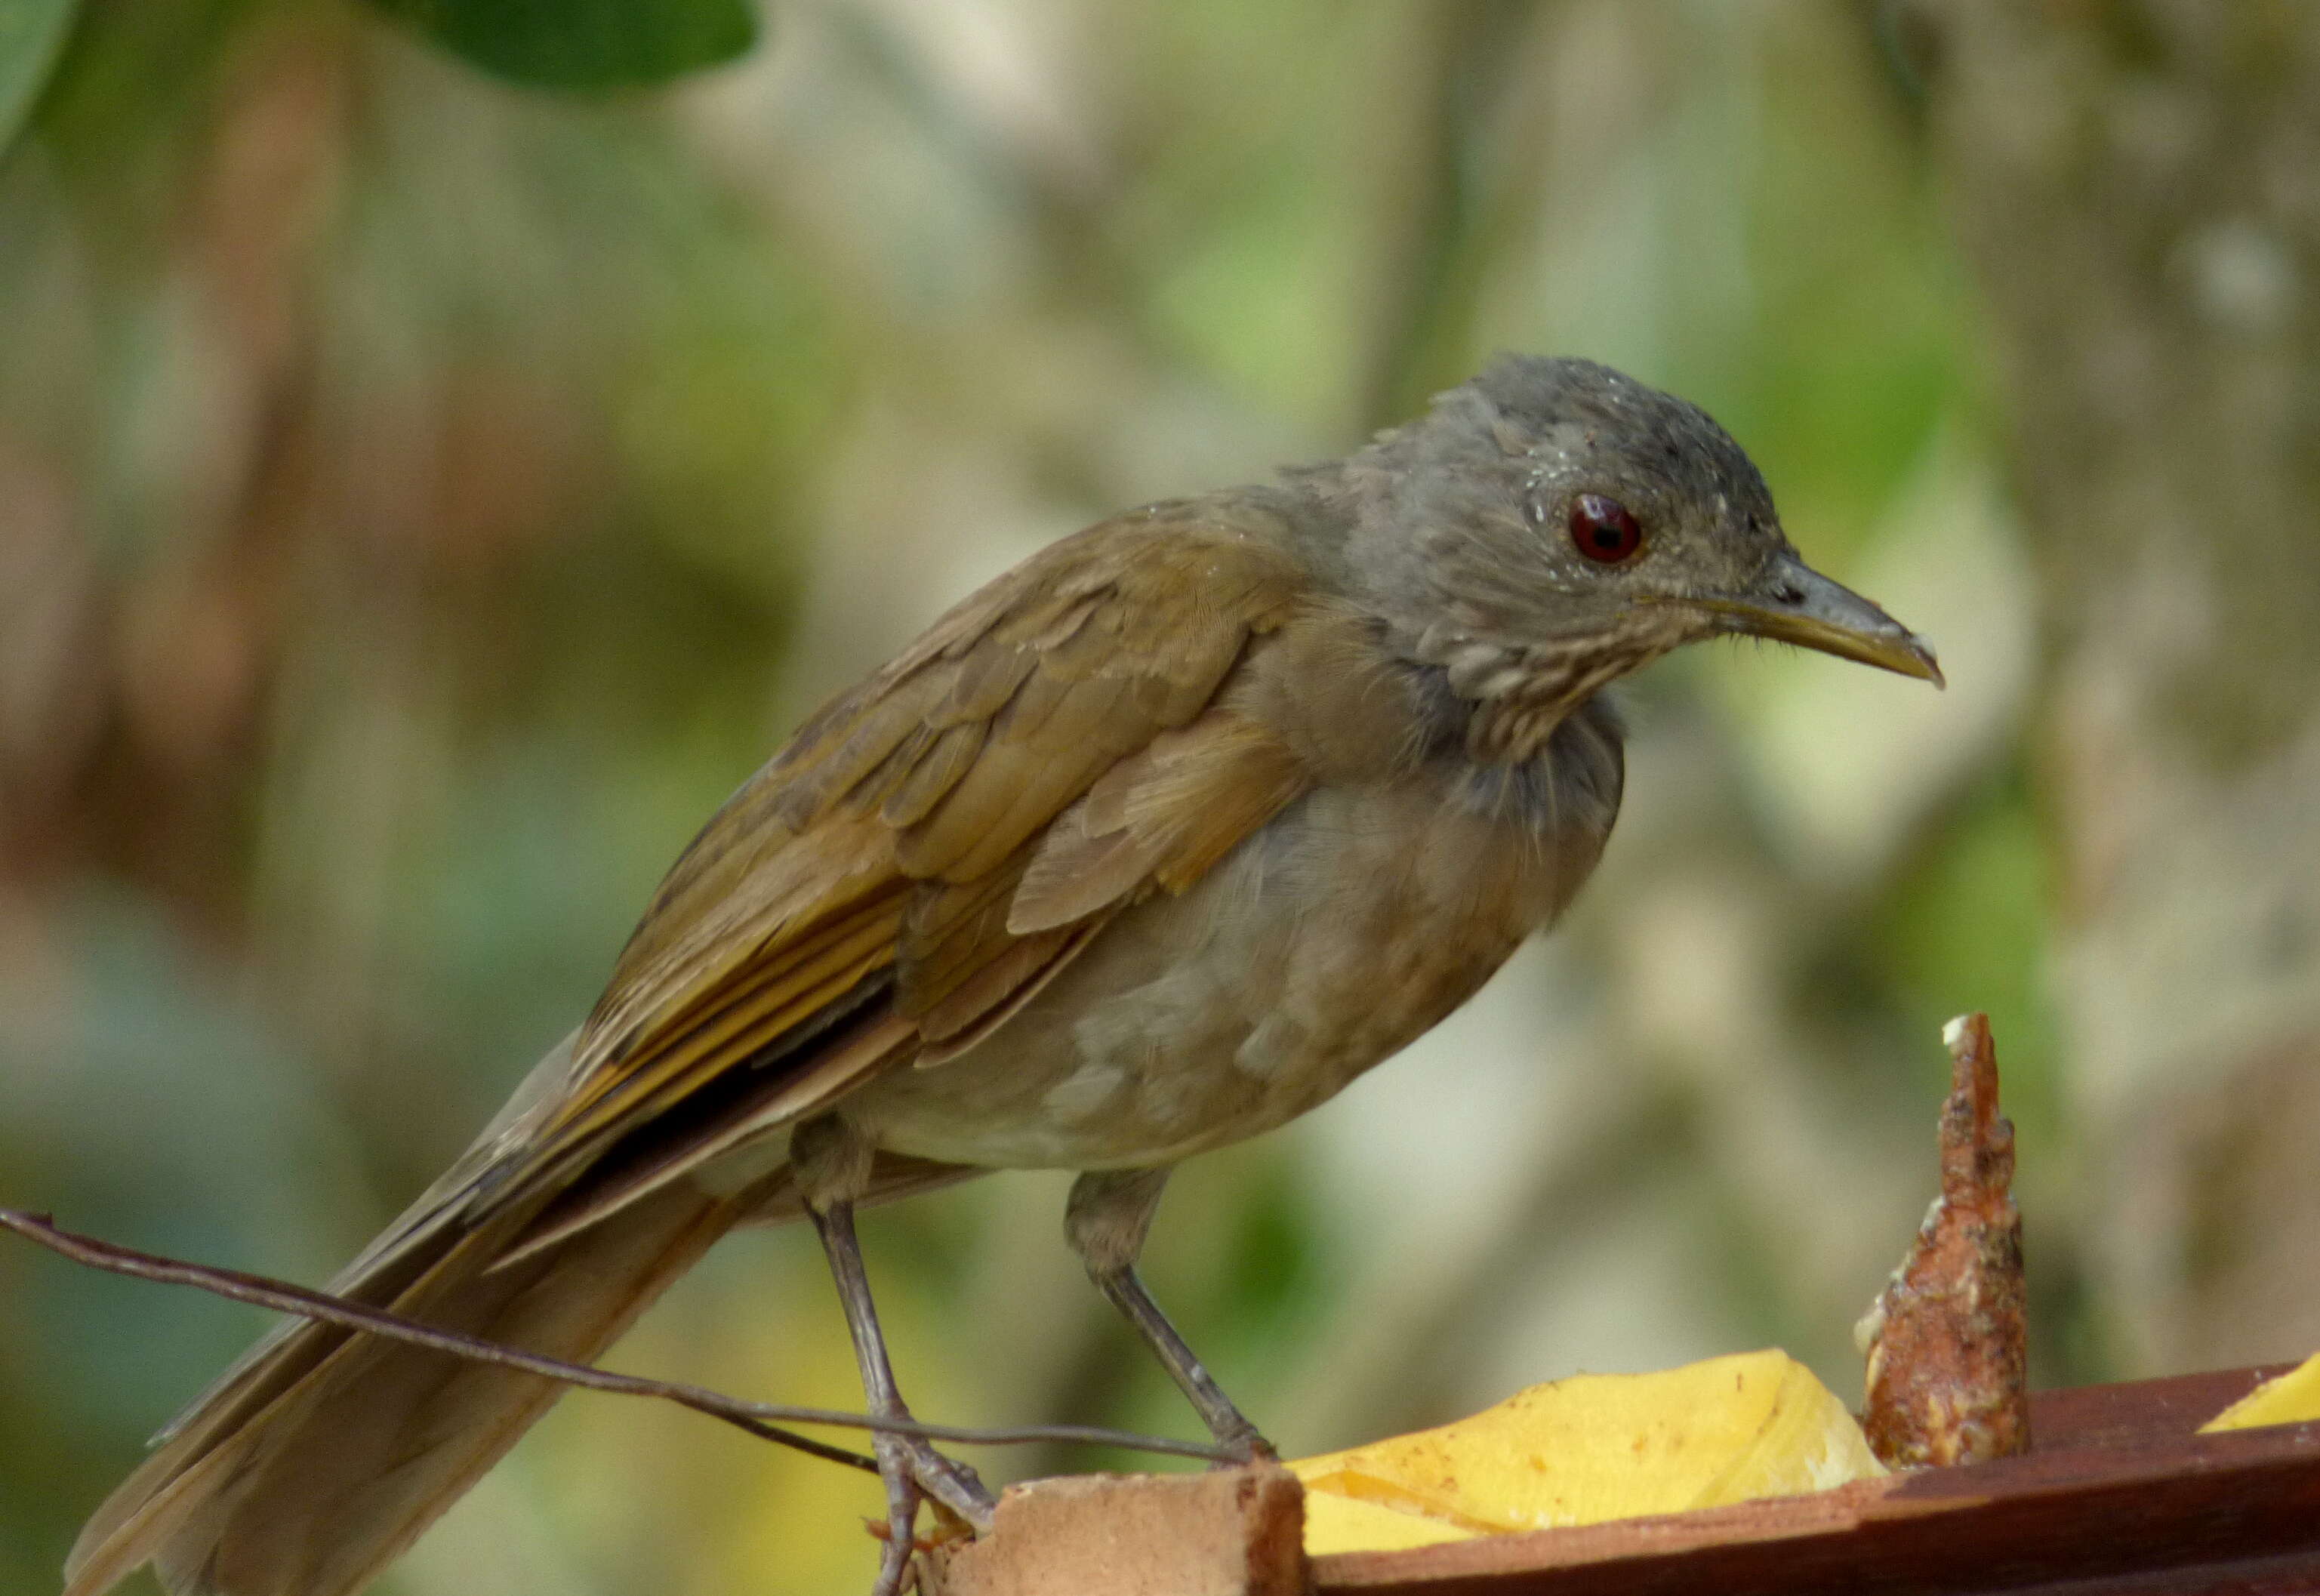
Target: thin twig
x=758, y=1419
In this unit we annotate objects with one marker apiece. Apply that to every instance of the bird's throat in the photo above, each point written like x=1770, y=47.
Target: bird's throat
x=1508, y=698
x=1511, y=696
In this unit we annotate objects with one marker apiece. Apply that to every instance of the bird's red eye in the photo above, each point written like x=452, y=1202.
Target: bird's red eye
x=1604, y=529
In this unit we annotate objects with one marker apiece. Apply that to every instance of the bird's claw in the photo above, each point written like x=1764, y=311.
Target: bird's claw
x=1232, y=1431
x=915, y=1473
x=953, y=1487
x=1248, y=1449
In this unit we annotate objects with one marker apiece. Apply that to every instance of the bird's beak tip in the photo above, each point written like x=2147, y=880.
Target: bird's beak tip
x=1901, y=652
x=1933, y=666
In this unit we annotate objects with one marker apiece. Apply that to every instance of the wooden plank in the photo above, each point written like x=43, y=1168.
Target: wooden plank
x=2118, y=1494
x=2141, y=1413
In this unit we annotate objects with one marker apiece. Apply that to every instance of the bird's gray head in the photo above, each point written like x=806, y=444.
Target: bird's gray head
x=1552, y=525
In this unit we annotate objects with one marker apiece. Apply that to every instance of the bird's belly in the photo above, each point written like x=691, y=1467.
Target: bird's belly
x=1325, y=943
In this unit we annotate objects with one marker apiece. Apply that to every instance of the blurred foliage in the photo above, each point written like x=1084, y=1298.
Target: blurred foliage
x=421, y=502
x=31, y=32
x=586, y=44
x=557, y=44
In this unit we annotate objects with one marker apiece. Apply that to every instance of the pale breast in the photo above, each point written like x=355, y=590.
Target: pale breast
x=1328, y=940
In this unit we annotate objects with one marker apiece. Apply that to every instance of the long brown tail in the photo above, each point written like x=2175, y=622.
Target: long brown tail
x=315, y=1463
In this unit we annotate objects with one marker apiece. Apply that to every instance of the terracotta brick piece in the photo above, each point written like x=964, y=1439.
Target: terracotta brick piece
x=1236, y=1532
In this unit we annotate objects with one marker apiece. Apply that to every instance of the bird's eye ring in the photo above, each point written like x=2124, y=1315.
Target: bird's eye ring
x=1604, y=529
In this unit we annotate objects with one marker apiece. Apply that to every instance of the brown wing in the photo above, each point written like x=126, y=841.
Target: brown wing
x=891, y=886
x=860, y=902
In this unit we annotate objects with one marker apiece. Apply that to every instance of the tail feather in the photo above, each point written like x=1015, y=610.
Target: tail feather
x=313, y=1466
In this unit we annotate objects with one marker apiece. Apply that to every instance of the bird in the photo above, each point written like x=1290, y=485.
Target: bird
x=1156, y=841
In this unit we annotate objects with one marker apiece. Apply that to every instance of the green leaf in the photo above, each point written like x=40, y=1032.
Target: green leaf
x=582, y=44
x=31, y=32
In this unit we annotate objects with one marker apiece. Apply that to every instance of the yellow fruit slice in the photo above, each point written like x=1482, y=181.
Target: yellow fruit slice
x=1593, y=1448
x=2288, y=1398
x=1340, y=1524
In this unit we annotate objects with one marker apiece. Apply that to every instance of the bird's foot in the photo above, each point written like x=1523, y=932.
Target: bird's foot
x=949, y=1484
x=1247, y=1444
x=916, y=1473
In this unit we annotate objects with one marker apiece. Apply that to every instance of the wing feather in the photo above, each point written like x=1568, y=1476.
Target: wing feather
x=1158, y=819
x=885, y=850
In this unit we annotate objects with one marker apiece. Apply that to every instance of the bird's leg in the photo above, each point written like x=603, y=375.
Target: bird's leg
x=833, y=1165
x=1105, y=1219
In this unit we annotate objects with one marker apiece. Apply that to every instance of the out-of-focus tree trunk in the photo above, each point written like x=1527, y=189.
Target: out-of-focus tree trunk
x=2137, y=186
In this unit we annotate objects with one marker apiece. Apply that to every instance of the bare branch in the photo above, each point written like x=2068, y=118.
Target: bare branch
x=761, y=1420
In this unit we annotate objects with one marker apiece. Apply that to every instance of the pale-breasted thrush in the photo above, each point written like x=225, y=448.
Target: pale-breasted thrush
x=1156, y=841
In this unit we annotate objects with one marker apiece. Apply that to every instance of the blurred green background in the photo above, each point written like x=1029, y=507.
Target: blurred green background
x=424, y=496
